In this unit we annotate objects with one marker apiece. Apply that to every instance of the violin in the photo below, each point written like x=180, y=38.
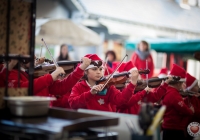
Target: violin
x=185, y=93
x=68, y=67
x=153, y=82
x=119, y=78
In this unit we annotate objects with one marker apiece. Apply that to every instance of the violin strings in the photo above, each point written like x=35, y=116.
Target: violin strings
x=114, y=72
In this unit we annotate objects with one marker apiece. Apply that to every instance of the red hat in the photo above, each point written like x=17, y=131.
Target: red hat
x=126, y=66
x=178, y=71
x=93, y=57
x=163, y=73
x=190, y=81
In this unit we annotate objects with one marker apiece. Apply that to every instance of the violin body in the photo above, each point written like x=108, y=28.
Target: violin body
x=113, y=81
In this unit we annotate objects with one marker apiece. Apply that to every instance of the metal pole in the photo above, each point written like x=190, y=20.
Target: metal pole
x=32, y=47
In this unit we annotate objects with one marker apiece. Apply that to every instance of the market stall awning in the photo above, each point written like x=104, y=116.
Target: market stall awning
x=168, y=45
x=59, y=31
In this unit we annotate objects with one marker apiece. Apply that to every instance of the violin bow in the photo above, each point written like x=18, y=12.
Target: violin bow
x=54, y=61
x=106, y=66
x=41, y=50
x=114, y=71
x=147, y=74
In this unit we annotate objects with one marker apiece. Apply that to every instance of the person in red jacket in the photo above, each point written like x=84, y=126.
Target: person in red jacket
x=140, y=56
x=176, y=110
x=49, y=84
x=62, y=101
x=157, y=94
x=192, y=99
x=132, y=106
x=86, y=94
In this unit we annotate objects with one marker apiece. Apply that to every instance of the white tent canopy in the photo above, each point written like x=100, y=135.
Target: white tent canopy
x=61, y=31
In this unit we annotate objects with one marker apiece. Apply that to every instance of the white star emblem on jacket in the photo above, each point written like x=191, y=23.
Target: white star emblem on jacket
x=101, y=101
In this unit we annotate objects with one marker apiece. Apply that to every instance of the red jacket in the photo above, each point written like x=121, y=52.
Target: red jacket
x=141, y=64
x=177, y=111
x=81, y=97
x=1, y=66
x=194, y=101
x=62, y=101
x=133, y=105
x=44, y=85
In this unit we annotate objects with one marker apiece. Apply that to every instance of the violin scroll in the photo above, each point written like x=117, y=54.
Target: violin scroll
x=41, y=60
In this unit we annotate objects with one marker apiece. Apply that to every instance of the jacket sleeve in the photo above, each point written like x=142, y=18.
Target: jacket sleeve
x=3, y=77
x=180, y=106
x=195, y=103
x=136, y=98
x=134, y=59
x=119, y=98
x=39, y=83
x=151, y=66
x=61, y=87
x=78, y=99
x=157, y=93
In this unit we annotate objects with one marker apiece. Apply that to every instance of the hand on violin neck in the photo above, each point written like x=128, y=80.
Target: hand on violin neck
x=170, y=78
x=56, y=74
x=96, y=88
x=192, y=108
x=134, y=76
x=197, y=95
x=12, y=64
x=85, y=63
x=147, y=89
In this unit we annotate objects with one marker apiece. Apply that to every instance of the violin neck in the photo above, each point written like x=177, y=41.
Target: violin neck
x=156, y=79
x=187, y=93
x=121, y=74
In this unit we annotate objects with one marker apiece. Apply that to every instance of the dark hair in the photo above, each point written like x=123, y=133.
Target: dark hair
x=62, y=57
x=145, y=43
x=84, y=77
x=112, y=53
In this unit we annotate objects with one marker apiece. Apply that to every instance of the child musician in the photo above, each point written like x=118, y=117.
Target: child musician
x=173, y=120
x=86, y=94
x=49, y=84
x=192, y=89
x=62, y=101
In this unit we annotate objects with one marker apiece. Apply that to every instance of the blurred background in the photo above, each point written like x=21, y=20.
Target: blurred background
x=171, y=27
